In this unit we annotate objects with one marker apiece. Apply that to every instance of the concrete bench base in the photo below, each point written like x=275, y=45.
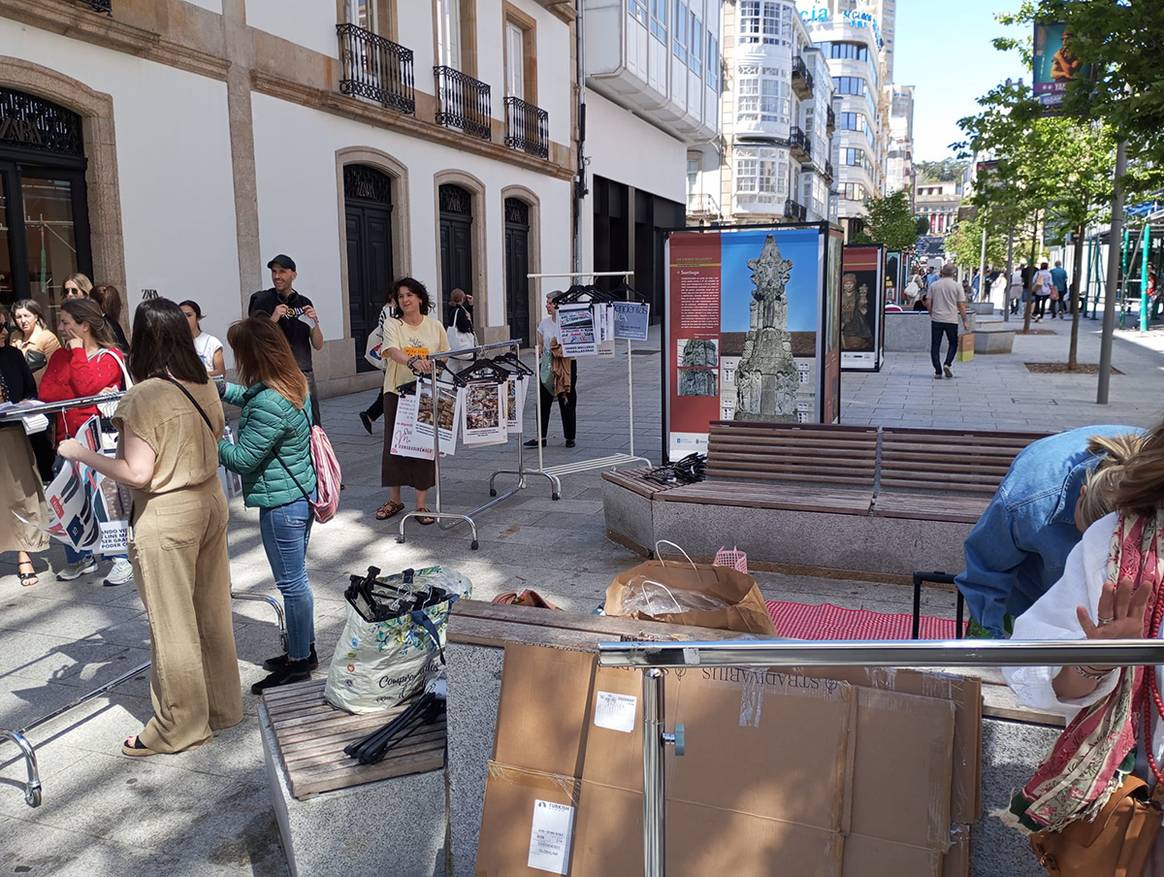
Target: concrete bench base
x=980, y=307
x=909, y=331
x=992, y=340
x=394, y=826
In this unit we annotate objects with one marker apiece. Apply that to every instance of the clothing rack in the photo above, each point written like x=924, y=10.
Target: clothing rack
x=459, y=518
x=554, y=473
x=19, y=736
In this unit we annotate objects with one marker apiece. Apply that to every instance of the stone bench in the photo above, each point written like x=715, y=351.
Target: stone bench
x=980, y=307
x=994, y=339
x=338, y=818
x=909, y=331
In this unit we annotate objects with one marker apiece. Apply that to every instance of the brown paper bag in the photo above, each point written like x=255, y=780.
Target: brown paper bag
x=745, y=610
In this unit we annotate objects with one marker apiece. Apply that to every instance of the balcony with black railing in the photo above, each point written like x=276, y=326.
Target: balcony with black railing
x=799, y=144
x=831, y=120
x=801, y=79
x=105, y=7
x=463, y=103
x=794, y=210
x=527, y=127
x=828, y=171
x=375, y=68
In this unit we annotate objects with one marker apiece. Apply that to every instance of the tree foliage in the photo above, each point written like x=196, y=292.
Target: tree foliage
x=889, y=221
x=1120, y=41
x=964, y=244
x=946, y=169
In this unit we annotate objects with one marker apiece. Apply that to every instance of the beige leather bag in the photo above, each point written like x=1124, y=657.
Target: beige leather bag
x=1117, y=842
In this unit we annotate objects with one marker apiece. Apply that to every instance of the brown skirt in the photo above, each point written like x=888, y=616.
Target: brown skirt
x=398, y=471
x=20, y=492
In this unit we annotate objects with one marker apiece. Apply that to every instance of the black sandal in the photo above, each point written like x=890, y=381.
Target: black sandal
x=27, y=579
x=423, y=517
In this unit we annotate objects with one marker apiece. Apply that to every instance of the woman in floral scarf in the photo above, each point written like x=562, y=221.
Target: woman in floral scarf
x=1110, y=589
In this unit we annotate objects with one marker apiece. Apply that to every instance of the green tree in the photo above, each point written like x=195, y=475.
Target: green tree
x=964, y=243
x=890, y=222
x=922, y=225
x=946, y=169
x=1120, y=42
x=1053, y=167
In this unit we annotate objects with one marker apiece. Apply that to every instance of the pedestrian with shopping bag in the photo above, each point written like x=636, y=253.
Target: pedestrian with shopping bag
x=169, y=425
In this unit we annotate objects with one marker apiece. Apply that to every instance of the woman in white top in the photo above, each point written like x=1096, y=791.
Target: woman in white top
x=1111, y=589
x=208, y=348
x=1041, y=286
x=558, y=379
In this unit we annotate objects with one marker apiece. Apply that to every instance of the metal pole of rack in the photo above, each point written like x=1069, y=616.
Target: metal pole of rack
x=654, y=657
x=467, y=517
x=554, y=473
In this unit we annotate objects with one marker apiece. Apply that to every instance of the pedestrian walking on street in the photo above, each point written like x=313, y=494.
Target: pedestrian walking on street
x=376, y=410
x=1059, y=298
x=557, y=379
x=947, y=307
x=912, y=291
x=1017, y=290
x=295, y=315
x=1155, y=296
x=170, y=423
x=1041, y=287
x=272, y=453
x=409, y=337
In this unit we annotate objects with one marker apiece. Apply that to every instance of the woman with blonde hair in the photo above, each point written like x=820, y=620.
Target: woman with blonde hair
x=272, y=453
x=77, y=286
x=1111, y=588
x=170, y=422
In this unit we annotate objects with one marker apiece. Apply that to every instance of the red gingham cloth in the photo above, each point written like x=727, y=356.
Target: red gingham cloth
x=828, y=622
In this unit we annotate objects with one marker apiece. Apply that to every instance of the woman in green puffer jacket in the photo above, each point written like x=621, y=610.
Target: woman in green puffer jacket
x=272, y=453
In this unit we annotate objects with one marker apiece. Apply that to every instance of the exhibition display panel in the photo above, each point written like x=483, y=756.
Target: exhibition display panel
x=863, y=307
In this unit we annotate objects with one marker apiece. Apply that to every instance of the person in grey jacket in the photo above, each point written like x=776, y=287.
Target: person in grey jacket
x=272, y=453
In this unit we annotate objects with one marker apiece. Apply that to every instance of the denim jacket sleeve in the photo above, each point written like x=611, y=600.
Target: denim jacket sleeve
x=992, y=561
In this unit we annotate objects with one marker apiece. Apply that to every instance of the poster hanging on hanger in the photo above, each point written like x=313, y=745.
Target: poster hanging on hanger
x=405, y=441
x=577, y=331
x=631, y=319
x=448, y=411
x=483, y=414
x=515, y=389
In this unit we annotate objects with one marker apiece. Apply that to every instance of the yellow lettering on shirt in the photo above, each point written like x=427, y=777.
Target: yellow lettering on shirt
x=415, y=351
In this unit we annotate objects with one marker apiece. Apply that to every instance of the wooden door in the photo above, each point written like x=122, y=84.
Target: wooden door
x=517, y=303
x=368, y=209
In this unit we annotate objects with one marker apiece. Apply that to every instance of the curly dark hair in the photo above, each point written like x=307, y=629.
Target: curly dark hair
x=416, y=288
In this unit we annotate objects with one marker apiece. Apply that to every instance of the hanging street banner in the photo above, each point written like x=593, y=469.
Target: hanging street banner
x=1055, y=65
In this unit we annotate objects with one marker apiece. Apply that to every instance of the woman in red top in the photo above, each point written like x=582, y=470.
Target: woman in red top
x=88, y=363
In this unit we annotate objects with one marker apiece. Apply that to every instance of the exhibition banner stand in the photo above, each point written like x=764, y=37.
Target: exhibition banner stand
x=752, y=329
x=863, y=307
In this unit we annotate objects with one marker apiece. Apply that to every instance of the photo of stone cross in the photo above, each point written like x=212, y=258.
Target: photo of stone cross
x=766, y=379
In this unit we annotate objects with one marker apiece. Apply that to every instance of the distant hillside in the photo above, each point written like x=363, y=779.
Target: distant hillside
x=946, y=169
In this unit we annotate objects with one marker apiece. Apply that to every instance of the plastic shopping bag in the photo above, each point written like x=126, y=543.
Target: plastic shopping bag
x=378, y=664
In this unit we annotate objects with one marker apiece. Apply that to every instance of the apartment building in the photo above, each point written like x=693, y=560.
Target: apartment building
x=776, y=124
x=856, y=39
x=938, y=201
x=176, y=146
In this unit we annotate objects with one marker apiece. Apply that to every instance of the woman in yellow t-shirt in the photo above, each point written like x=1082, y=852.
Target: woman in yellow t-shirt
x=409, y=337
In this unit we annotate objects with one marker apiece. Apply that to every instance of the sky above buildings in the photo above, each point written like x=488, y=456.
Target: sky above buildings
x=944, y=50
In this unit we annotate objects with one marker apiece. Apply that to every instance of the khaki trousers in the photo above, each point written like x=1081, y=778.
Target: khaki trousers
x=182, y=570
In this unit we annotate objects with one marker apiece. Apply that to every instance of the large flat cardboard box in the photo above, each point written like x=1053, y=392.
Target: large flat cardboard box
x=510, y=833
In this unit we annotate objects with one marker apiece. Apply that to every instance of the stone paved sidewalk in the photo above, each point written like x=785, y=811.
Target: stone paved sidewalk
x=206, y=811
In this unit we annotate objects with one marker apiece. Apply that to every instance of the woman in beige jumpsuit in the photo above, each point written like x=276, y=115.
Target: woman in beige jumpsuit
x=170, y=423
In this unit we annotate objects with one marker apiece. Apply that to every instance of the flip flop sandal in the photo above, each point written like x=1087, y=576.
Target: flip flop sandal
x=424, y=519
x=388, y=510
x=27, y=579
x=137, y=750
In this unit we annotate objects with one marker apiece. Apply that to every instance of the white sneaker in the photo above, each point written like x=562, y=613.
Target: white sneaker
x=121, y=573
x=82, y=567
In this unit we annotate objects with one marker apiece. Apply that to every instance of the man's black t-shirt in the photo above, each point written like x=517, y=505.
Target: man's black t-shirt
x=298, y=331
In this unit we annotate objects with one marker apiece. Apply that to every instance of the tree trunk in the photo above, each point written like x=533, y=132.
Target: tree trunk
x=1076, y=274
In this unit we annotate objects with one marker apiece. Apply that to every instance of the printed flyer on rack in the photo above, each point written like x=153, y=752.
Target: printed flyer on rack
x=751, y=329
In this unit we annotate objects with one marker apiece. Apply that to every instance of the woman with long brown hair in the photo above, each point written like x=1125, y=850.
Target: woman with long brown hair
x=88, y=364
x=272, y=453
x=1111, y=588
x=170, y=422
x=108, y=297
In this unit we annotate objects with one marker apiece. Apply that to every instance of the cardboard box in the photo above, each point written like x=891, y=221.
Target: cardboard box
x=966, y=347
x=513, y=800
x=876, y=857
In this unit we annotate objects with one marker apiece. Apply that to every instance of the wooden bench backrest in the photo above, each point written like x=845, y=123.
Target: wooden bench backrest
x=812, y=454
x=964, y=461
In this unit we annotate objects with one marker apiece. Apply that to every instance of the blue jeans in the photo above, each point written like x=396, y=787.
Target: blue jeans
x=286, y=530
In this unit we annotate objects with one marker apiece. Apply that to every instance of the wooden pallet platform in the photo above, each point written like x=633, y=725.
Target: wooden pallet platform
x=312, y=734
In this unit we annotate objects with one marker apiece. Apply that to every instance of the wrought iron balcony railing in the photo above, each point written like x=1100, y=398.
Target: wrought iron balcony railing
x=828, y=171
x=376, y=68
x=799, y=143
x=831, y=123
x=527, y=127
x=103, y=6
x=801, y=78
x=463, y=103
x=794, y=210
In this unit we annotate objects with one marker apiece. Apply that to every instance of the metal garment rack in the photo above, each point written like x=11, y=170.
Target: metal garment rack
x=554, y=473
x=459, y=518
x=19, y=736
x=655, y=657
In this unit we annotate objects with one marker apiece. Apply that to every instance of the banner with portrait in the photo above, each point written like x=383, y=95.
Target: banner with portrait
x=862, y=307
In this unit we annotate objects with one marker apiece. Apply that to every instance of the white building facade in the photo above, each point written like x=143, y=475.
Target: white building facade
x=777, y=120
x=855, y=37
x=177, y=146
x=899, y=173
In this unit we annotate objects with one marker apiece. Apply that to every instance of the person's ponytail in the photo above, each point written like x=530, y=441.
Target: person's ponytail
x=1141, y=487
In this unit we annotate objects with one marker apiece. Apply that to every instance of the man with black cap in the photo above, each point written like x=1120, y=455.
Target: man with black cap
x=295, y=315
